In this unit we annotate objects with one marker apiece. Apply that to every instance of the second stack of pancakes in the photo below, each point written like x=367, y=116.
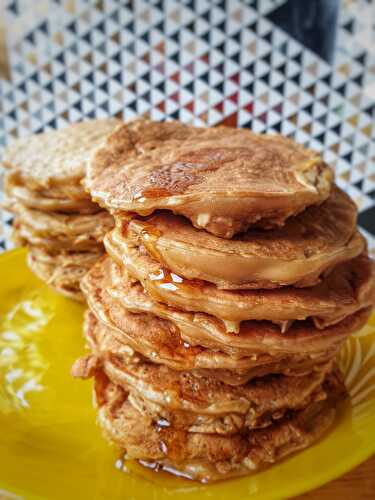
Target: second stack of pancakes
x=235, y=273
x=54, y=216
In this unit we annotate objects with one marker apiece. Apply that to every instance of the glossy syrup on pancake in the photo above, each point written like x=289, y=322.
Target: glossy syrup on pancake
x=201, y=404
x=161, y=340
x=306, y=247
x=202, y=329
x=350, y=287
x=210, y=457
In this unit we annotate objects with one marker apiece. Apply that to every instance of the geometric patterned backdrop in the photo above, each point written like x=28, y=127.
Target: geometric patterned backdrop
x=202, y=62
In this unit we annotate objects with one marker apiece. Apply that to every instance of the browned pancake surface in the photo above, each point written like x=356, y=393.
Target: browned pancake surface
x=223, y=179
x=347, y=289
x=196, y=403
x=57, y=157
x=298, y=253
x=162, y=341
x=54, y=224
x=210, y=456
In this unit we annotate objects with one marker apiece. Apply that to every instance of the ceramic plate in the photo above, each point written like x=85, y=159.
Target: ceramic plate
x=51, y=447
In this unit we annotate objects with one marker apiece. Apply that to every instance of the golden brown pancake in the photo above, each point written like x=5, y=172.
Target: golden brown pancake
x=209, y=331
x=68, y=226
x=59, y=276
x=63, y=281
x=199, y=404
x=71, y=292
x=258, y=349
x=66, y=259
x=62, y=271
x=39, y=200
x=56, y=160
x=307, y=246
x=347, y=289
x=25, y=236
x=130, y=344
x=209, y=457
x=223, y=179
x=74, y=192
x=55, y=217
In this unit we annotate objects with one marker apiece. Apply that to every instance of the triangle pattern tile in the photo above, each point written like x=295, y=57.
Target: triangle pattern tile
x=199, y=62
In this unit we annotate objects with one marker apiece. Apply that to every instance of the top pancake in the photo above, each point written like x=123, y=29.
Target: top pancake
x=223, y=179
x=57, y=157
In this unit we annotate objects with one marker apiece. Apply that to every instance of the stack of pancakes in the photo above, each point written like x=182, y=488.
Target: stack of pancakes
x=55, y=217
x=235, y=273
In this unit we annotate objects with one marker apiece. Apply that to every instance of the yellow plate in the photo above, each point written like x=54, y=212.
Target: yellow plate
x=51, y=447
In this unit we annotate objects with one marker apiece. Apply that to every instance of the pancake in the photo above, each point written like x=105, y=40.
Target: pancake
x=209, y=457
x=203, y=329
x=62, y=271
x=261, y=347
x=56, y=160
x=51, y=225
x=347, y=289
x=39, y=201
x=25, y=236
x=55, y=217
x=73, y=192
x=71, y=292
x=223, y=179
x=199, y=404
x=129, y=348
x=58, y=275
x=66, y=259
x=306, y=247
x=63, y=281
